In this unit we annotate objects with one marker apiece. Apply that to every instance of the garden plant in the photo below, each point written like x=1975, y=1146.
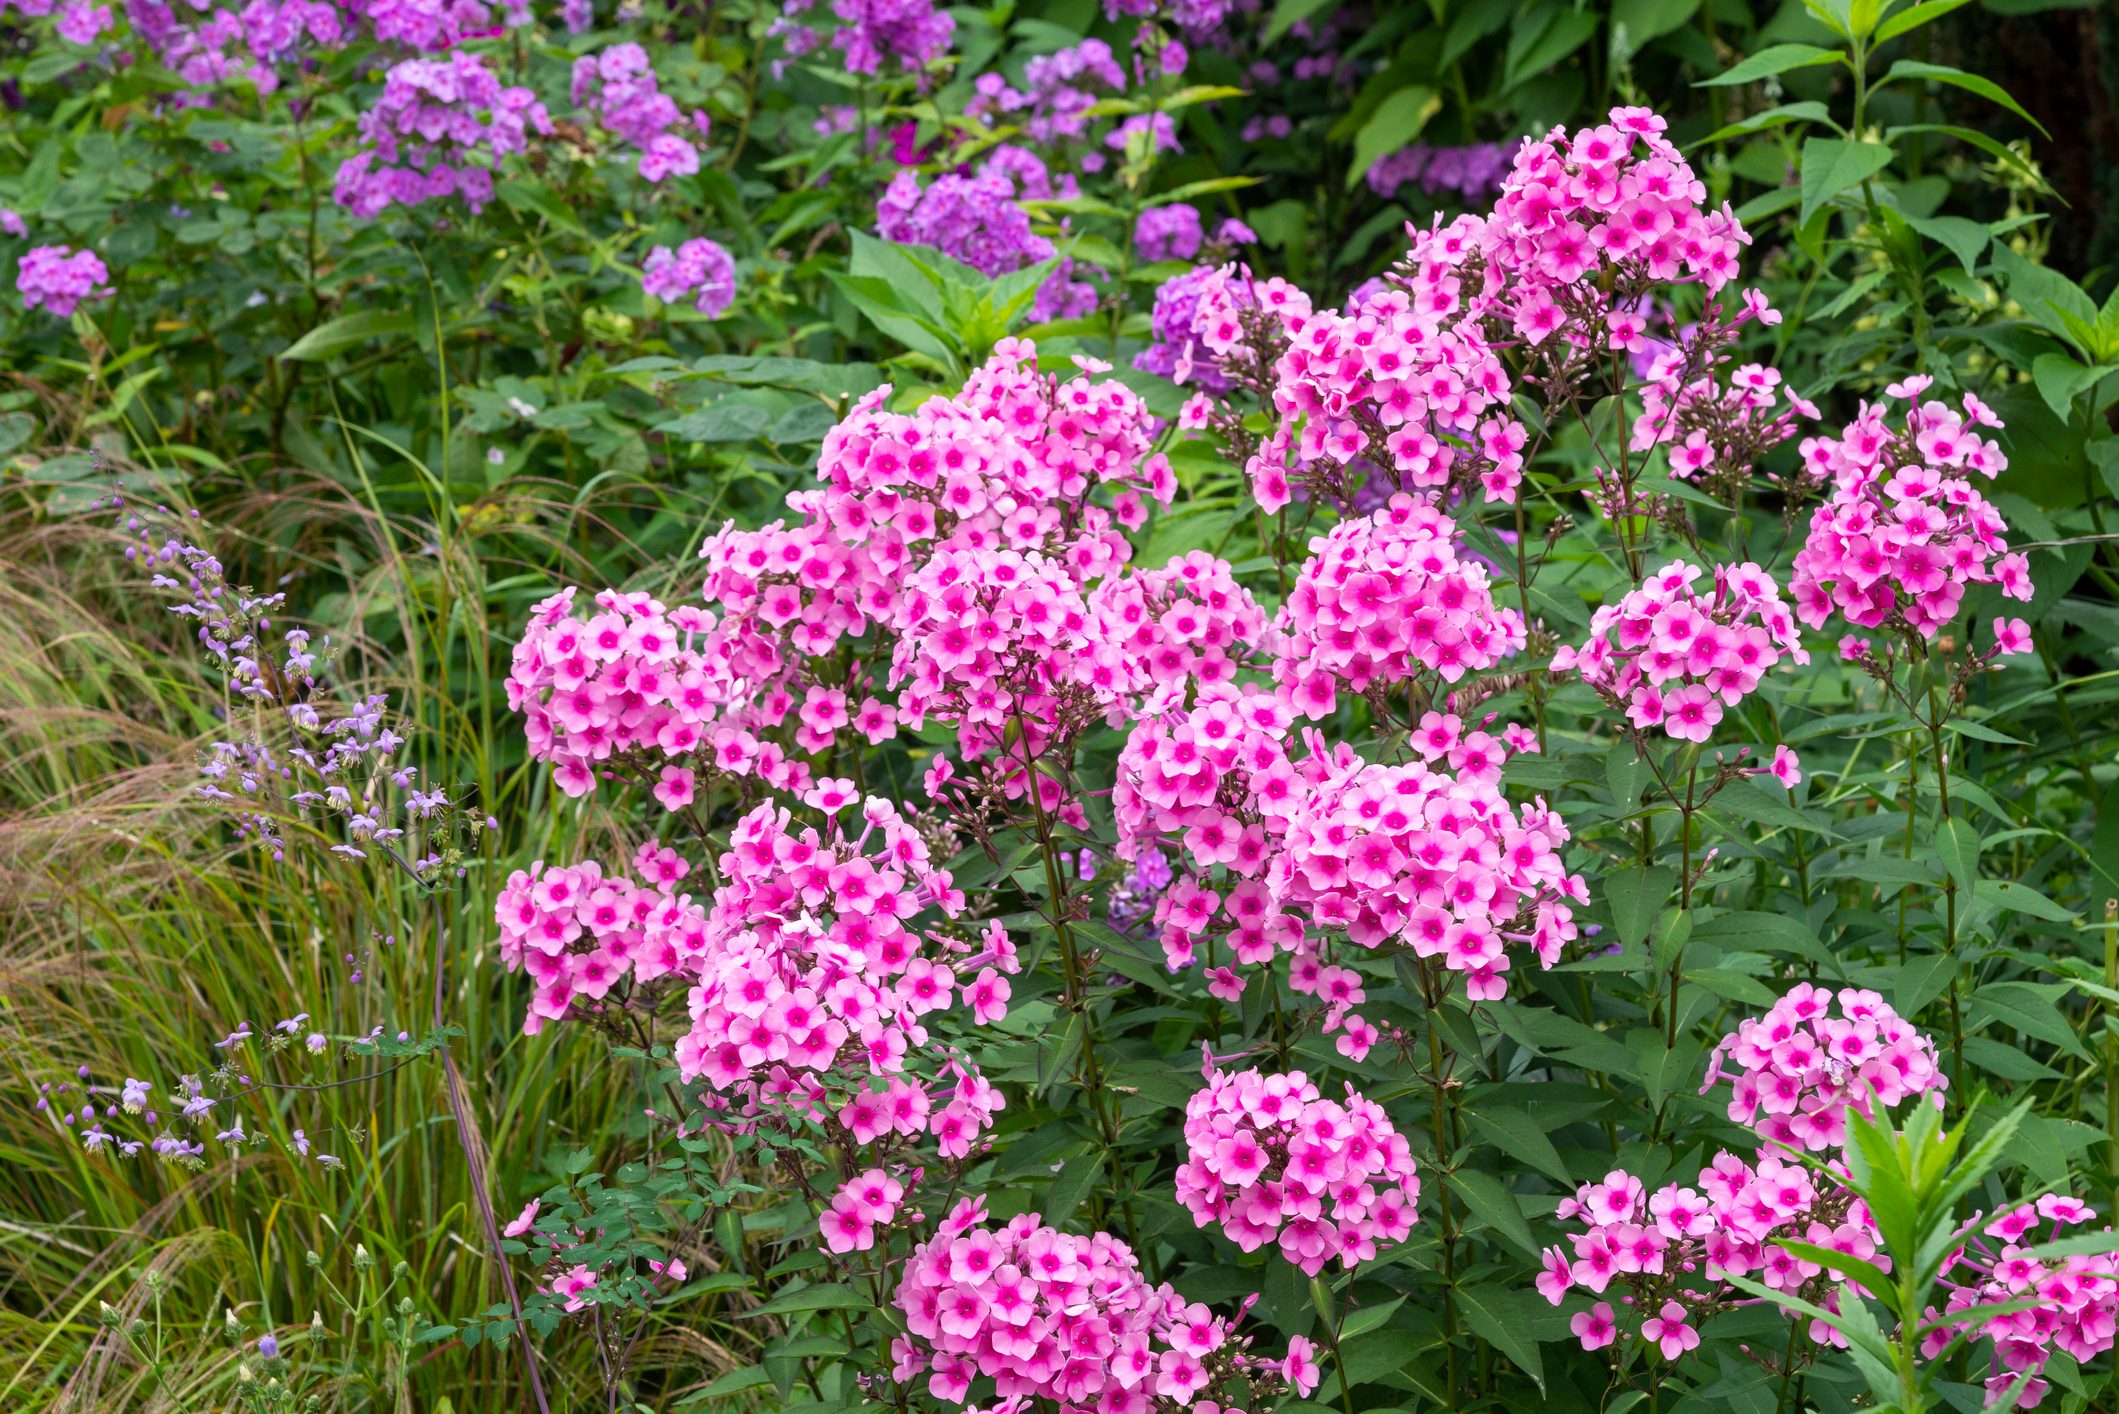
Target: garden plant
x=1101, y=706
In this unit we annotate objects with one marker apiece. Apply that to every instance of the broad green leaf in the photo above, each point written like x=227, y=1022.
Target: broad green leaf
x=1914, y=17
x=813, y=1298
x=1964, y=239
x=2030, y=1008
x=1497, y=1315
x=2020, y=898
x=1971, y=83
x=1957, y=843
x=1636, y=897
x=1831, y=165
x=1534, y=49
x=1809, y=111
x=347, y=331
x=1514, y=1132
x=2062, y=379
x=1289, y=13
x=1490, y=1201
x=1778, y=59
x=1394, y=124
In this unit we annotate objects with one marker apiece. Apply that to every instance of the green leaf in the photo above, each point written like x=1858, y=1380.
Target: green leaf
x=1490, y=1201
x=1289, y=13
x=1394, y=124
x=813, y=1298
x=2020, y=898
x=1964, y=239
x=1809, y=111
x=1778, y=59
x=1516, y=1133
x=1640, y=22
x=1971, y=83
x=1957, y=843
x=1636, y=897
x=1498, y=1315
x=1564, y=33
x=1831, y=165
x=2030, y=1008
x=348, y=331
x=1911, y=19
x=2062, y=379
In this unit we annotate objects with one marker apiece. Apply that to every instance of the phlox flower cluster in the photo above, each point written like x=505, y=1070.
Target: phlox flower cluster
x=1269, y=1159
x=699, y=270
x=871, y=35
x=1194, y=17
x=638, y=685
x=1804, y=1064
x=1168, y=232
x=1383, y=598
x=2077, y=1298
x=1671, y=1250
x=1059, y=91
x=1905, y=530
x=1220, y=327
x=59, y=278
x=618, y=87
x=580, y=934
x=1392, y=386
x=1175, y=350
x=1585, y=224
x=1405, y=855
x=915, y=510
x=815, y=992
x=1470, y=174
x=427, y=26
x=435, y=133
x=1046, y=1315
x=1715, y=431
x=1013, y=466
x=995, y=640
x=973, y=219
x=1671, y=656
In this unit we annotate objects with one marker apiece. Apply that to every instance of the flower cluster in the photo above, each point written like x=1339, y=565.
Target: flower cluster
x=1801, y=1067
x=1672, y=1249
x=2076, y=1298
x=1046, y=1315
x=1391, y=386
x=1385, y=597
x=813, y=997
x=640, y=686
x=1905, y=530
x=1268, y=1158
x=699, y=270
x=973, y=219
x=1059, y=92
x=579, y=934
x=1442, y=863
x=1670, y=656
x=434, y=133
x=1716, y=431
x=60, y=278
x=1470, y=174
x=228, y=1104
x=290, y=752
x=1168, y=232
x=619, y=88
